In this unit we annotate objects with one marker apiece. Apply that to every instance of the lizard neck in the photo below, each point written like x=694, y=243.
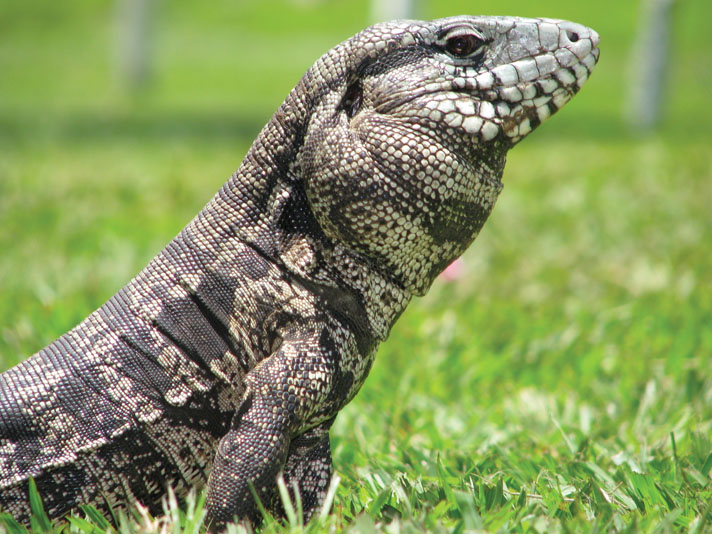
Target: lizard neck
x=384, y=300
x=263, y=205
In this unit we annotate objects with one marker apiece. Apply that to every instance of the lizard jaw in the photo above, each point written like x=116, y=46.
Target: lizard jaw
x=531, y=90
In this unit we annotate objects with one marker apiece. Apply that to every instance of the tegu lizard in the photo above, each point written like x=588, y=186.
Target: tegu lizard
x=225, y=361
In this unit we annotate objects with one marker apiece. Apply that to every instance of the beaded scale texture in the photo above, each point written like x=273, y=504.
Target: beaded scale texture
x=225, y=361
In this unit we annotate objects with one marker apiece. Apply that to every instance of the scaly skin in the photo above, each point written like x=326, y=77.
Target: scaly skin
x=225, y=361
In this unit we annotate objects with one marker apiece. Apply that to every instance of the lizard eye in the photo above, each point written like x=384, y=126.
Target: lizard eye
x=463, y=45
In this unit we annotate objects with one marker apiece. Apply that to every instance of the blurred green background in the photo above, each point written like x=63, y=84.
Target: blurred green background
x=583, y=319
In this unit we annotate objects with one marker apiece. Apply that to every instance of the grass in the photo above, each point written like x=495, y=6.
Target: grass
x=562, y=384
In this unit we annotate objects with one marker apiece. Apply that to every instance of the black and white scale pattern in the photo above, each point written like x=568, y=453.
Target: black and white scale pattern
x=225, y=361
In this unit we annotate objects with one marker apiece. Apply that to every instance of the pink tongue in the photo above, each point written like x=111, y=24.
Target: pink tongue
x=453, y=271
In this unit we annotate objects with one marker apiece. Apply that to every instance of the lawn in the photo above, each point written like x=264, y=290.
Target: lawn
x=562, y=383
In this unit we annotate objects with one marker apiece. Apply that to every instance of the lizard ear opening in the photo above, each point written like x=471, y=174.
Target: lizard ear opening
x=351, y=102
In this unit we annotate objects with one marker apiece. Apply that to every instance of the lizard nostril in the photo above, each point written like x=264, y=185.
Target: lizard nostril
x=573, y=36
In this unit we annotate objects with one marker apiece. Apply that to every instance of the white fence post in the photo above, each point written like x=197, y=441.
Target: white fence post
x=134, y=36
x=385, y=10
x=649, y=65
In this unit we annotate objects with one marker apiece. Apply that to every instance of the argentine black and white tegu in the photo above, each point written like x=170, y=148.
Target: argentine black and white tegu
x=224, y=362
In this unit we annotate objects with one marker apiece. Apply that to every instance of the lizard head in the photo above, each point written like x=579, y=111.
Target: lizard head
x=410, y=125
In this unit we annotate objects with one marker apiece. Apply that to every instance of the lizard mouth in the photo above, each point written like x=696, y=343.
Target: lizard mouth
x=527, y=92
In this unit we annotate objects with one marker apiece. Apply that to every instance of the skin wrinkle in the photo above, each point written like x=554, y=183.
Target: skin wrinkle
x=224, y=362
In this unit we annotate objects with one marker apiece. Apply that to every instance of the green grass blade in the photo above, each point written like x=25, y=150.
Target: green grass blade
x=39, y=520
x=10, y=525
